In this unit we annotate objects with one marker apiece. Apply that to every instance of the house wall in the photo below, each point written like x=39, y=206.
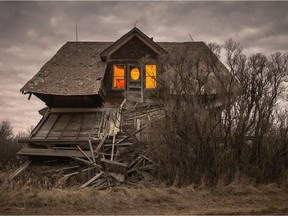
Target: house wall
x=133, y=49
x=85, y=101
x=131, y=52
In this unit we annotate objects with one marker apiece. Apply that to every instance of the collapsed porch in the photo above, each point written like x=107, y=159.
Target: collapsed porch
x=99, y=138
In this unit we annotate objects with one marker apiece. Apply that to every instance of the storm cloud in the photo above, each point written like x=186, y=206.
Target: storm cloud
x=32, y=32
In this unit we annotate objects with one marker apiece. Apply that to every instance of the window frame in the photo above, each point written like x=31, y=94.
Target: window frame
x=155, y=77
x=113, y=76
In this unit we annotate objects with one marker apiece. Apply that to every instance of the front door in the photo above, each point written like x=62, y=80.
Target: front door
x=135, y=86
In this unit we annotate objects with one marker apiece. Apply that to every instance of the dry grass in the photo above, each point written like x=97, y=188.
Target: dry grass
x=33, y=197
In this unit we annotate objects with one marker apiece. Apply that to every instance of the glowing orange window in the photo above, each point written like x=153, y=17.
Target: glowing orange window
x=118, y=80
x=151, y=76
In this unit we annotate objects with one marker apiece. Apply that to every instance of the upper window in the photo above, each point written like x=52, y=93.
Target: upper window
x=150, y=76
x=118, y=79
x=135, y=74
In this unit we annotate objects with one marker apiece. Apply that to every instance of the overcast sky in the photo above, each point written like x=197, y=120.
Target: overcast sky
x=32, y=32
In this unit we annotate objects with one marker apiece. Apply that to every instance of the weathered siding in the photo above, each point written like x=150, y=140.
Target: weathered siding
x=84, y=101
x=133, y=49
x=130, y=53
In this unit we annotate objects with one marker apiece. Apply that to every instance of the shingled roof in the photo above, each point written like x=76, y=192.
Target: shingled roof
x=74, y=69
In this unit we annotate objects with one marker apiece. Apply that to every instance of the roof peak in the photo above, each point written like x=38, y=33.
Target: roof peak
x=134, y=32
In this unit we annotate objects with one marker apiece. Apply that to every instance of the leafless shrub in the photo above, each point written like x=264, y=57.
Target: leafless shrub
x=218, y=121
x=9, y=143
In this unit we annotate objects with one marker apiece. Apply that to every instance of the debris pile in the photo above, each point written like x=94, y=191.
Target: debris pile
x=115, y=152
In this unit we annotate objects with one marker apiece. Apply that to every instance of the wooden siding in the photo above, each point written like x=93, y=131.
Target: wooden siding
x=68, y=126
x=129, y=53
x=71, y=100
x=133, y=49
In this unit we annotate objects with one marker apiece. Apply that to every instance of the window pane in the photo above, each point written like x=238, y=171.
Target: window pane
x=151, y=70
x=118, y=80
x=150, y=76
x=135, y=74
x=150, y=82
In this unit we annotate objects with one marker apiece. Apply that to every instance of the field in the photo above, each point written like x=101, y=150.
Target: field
x=145, y=199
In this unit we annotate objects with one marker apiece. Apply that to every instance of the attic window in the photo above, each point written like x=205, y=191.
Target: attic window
x=150, y=76
x=135, y=74
x=118, y=79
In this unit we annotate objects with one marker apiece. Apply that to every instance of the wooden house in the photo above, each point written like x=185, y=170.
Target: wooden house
x=97, y=95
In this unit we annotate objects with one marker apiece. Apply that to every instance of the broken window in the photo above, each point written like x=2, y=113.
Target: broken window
x=150, y=76
x=118, y=80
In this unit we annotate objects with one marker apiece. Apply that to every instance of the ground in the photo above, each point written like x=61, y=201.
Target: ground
x=231, y=199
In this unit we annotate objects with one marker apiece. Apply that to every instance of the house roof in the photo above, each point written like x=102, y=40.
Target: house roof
x=135, y=32
x=75, y=68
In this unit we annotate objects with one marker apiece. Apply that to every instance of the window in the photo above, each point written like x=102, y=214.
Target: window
x=150, y=76
x=135, y=74
x=118, y=80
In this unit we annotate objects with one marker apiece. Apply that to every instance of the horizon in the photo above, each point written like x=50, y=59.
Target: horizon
x=32, y=32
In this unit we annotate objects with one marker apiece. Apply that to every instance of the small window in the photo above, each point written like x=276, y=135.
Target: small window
x=135, y=74
x=150, y=76
x=118, y=80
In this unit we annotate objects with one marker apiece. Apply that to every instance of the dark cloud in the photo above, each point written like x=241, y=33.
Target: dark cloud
x=32, y=32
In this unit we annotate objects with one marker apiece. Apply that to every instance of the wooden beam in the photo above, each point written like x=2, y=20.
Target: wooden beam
x=51, y=152
x=101, y=143
x=91, y=150
x=137, y=131
x=91, y=180
x=56, y=141
x=83, y=169
x=114, y=166
x=113, y=146
x=84, y=154
x=81, y=122
x=82, y=160
x=61, y=169
x=75, y=110
x=52, y=125
x=29, y=97
x=67, y=123
x=20, y=169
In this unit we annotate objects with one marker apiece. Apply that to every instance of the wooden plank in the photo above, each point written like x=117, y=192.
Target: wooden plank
x=138, y=126
x=101, y=123
x=114, y=166
x=82, y=160
x=52, y=125
x=91, y=180
x=67, y=121
x=81, y=123
x=44, y=124
x=67, y=141
x=88, y=121
x=84, y=154
x=60, y=169
x=20, y=169
x=101, y=143
x=52, y=152
x=38, y=126
x=113, y=146
x=118, y=176
x=91, y=150
x=74, y=123
x=75, y=110
x=83, y=169
x=94, y=123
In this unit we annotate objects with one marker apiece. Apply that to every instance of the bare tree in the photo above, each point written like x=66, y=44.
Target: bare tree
x=6, y=131
x=218, y=121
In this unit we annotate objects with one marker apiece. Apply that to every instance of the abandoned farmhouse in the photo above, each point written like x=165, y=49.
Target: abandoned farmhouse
x=99, y=98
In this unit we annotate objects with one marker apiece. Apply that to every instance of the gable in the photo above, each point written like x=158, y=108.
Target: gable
x=135, y=32
x=133, y=49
